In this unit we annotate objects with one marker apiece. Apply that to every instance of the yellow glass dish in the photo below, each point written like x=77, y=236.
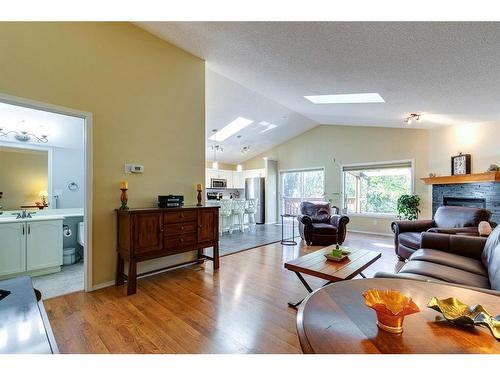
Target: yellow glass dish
x=391, y=307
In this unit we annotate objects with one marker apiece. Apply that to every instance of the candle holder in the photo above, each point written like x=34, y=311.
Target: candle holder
x=199, y=198
x=124, y=199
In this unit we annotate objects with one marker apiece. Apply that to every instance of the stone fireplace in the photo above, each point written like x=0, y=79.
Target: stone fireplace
x=482, y=194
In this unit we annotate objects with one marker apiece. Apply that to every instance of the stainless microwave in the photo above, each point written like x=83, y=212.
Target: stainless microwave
x=218, y=183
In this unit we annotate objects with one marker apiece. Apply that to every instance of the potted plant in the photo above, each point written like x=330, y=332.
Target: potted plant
x=408, y=207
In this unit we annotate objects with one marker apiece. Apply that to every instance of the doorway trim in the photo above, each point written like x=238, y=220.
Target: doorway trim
x=88, y=173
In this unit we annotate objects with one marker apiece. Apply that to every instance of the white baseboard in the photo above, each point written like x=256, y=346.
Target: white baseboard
x=374, y=233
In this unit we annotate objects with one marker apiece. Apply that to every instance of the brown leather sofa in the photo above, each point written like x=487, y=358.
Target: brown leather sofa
x=471, y=262
x=447, y=219
x=317, y=226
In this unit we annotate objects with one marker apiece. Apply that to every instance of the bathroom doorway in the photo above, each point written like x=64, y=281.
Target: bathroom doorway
x=45, y=195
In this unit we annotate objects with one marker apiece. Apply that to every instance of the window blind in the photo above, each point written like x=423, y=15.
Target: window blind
x=364, y=167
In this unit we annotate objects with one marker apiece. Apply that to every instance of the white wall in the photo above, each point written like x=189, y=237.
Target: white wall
x=68, y=166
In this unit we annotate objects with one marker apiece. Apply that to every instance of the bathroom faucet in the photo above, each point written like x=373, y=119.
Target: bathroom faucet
x=23, y=215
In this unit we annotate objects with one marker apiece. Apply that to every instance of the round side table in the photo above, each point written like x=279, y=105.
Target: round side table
x=292, y=241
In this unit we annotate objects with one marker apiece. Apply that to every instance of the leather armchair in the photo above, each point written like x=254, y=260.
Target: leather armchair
x=448, y=219
x=317, y=226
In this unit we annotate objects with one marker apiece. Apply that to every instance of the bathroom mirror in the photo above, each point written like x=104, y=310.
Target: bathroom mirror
x=24, y=178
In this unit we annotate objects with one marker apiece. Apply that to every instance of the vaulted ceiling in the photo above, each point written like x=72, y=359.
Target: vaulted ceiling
x=447, y=71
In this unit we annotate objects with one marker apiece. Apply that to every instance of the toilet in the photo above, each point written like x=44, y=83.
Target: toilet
x=81, y=234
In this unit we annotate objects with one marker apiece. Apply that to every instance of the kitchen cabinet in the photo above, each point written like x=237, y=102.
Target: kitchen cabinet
x=30, y=246
x=238, y=180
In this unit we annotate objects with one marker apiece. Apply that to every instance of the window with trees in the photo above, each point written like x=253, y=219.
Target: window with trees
x=299, y=186
x=375, y=188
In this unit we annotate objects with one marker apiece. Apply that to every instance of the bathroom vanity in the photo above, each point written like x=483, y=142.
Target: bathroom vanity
x=31, y=246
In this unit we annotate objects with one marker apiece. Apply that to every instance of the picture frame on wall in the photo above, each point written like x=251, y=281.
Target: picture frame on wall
x=461, y=164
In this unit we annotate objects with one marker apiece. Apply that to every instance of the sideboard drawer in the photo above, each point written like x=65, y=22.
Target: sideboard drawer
x=178, y=229
x=181, y=241
x=179, y=216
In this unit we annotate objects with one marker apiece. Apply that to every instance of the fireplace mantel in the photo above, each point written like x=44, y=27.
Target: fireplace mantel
x=463, y=179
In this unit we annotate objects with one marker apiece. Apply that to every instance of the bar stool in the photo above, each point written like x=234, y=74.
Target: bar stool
x=250, y=210
x=225, y=216
x=238, y=212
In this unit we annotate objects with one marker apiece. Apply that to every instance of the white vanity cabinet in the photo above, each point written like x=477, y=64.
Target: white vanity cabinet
x=44, y=244
x=12, y=248
x=30, y=246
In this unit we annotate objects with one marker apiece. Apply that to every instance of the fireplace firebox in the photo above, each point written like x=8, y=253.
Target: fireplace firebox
x=464, y=202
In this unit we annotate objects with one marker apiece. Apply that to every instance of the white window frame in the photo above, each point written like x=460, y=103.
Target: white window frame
x=374, y=215
x=280, y=182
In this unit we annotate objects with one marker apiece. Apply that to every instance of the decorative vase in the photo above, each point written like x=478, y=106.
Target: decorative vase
x=391, y=308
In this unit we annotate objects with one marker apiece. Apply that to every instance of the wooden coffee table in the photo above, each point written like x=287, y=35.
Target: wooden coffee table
x=315, y=264
x=334, y=319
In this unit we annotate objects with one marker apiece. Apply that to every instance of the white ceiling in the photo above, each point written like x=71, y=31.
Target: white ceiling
x=447, y=71
x=61, y=130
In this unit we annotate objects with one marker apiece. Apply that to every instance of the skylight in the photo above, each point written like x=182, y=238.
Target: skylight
x=230, y=129
x=269, y=127
x=372, y=97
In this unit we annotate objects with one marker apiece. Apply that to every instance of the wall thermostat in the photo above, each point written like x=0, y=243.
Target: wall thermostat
x=134, y=168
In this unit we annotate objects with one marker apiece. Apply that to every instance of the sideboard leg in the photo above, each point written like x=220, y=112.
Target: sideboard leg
x=200, y=256
x=132, y=277
x=120, y=265
x=216, y=255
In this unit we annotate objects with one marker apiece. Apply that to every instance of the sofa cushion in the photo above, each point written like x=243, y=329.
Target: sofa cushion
x=323, y=228
x=410, y=239
x=458, y=217
x=491, y=258
x=451, y=260
x=445, y=273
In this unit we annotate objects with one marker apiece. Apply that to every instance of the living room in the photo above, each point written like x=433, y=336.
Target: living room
x=375, y=142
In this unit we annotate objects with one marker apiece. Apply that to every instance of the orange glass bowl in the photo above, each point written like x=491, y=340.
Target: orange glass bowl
x=391, y=308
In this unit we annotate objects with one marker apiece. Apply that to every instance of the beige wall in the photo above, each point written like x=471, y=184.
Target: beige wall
x=147, y=98
x=24, y=173
x=331, y=146
x=479, y=140
x=228, y=167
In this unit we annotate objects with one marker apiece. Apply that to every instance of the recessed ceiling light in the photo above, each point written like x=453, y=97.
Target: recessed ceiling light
x=230, y=129
x=372, y=97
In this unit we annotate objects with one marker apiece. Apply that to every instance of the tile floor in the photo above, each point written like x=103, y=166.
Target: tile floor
x=69, y=280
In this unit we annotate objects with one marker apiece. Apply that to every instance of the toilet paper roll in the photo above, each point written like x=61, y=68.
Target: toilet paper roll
x=67, y=232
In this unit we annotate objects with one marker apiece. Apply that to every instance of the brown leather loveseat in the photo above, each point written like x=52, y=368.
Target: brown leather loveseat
x=447, y=219
x=317, y=226
x=472, y=262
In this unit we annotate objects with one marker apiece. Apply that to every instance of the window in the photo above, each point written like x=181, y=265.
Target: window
x=375, y=188
x=299, y=186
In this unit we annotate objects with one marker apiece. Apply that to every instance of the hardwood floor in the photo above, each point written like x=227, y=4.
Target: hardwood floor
x=241, y=308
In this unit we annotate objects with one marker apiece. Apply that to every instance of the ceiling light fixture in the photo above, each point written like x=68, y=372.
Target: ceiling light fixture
x=245, y=149
x=371, y=97
x=230, y=129
x=413, y=116
x=24, y=136
x=216, y=148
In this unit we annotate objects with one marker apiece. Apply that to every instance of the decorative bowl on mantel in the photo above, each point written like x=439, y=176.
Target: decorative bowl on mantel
x=391, y=307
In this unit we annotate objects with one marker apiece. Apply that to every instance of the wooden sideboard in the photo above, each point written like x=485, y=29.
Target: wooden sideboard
x=149, y=233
